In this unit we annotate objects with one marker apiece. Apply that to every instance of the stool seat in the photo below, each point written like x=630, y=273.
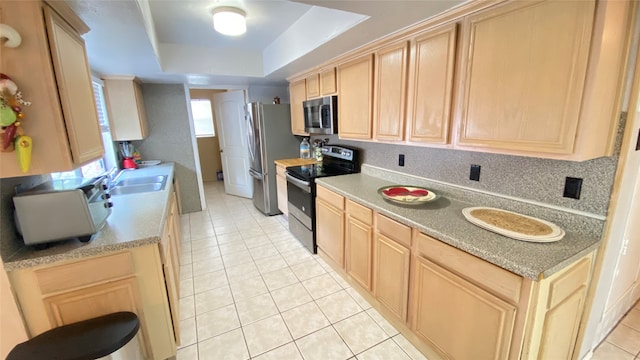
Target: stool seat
x=84, y=340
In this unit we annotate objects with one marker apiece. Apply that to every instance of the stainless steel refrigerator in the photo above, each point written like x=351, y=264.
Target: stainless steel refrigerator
x=270, y=139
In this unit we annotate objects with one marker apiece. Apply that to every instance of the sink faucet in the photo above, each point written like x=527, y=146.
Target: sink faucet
x=113, y=174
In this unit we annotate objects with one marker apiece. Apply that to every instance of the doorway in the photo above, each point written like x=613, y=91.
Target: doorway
x=208, y=143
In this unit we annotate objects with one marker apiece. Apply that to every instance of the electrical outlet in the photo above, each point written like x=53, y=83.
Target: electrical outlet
x=474, y=173
x=572, y=187
x=401, y=160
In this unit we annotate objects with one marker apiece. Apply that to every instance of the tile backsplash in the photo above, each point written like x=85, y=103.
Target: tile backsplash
x=528, y=178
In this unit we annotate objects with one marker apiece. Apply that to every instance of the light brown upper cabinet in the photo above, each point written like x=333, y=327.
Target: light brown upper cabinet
x=313, y=86
x=355, y=98
x=328, y=82
x=127, y=116
x=522, y=75
x=297, y=94
x=51, y=69
x=433, y=55
x=392, y=63
x=321, y=83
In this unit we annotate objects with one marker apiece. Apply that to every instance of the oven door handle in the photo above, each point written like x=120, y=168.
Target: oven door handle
x=304, y=185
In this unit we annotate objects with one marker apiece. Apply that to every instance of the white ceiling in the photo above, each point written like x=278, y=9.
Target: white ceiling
x=174, y=41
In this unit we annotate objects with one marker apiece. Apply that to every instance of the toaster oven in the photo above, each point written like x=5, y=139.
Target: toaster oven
x=62, y=209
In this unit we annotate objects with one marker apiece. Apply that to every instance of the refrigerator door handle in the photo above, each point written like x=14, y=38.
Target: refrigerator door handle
x=256, y=174
x=250, y=135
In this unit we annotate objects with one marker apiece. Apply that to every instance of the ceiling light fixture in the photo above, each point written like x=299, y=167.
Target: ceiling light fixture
x=229, y=20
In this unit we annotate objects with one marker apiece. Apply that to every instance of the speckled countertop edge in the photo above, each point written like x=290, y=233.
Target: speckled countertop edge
x=444, y=221
x=135, y=220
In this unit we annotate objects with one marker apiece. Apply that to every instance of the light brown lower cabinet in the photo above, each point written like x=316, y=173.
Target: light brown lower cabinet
x=359, y=243
x=558, y=313
x=281, y=186
x=330, y=225
x=143, y=280
x=86, y=303
x=458, y=318
x=170, y=246
x=447, y=302
x=392, y=254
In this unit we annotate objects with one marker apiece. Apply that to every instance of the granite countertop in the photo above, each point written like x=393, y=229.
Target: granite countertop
x=443, y=220
x=294, y=162
x=135, y=220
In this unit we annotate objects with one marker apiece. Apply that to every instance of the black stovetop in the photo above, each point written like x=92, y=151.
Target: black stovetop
x=337, y=160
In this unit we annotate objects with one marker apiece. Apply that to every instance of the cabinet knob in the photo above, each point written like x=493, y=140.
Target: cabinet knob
x=108, y=204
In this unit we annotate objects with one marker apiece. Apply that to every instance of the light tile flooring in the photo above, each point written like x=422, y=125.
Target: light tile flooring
x=249, y=290
x=623, y=343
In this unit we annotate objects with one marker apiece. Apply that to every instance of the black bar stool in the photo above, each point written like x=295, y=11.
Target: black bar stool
x=84, y=340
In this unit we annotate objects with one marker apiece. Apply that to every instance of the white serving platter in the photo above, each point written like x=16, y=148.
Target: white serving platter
x=556, y=234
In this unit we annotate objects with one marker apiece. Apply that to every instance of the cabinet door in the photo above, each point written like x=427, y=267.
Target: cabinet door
x=355, y=95
x=525, y=68
x=561, y=325
x=431, y=85
x=127, y=116
x=328, y=82
x=358, y=251
x=281, y=187
x=89, y=302
x=458, y=318
x=170, y=255
x=298, y=94
x=391, y=91
x=313, y=86
x=330, y=231
x=170, y=269
x=391, y=275
x=76, y=91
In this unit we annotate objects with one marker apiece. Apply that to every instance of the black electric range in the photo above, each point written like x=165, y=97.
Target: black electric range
x=301, y=189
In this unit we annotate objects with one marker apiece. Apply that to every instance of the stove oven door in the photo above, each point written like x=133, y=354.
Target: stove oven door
x=301, y=210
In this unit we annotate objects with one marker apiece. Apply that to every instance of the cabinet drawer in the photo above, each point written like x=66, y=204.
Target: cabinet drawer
x=85, y=272
x=330, y=197
x=359, y=212
x=489, y=276
x=394, y=230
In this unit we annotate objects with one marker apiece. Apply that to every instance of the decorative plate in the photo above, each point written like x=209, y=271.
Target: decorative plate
x=513, y=225
x=407, y=195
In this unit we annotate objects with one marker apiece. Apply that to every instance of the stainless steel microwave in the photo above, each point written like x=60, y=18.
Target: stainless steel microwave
x=321, y=115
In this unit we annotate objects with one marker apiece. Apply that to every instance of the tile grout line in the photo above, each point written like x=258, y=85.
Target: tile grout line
x=289, y=266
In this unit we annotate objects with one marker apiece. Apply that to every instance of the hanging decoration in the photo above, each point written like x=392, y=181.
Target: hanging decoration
x=11, y=118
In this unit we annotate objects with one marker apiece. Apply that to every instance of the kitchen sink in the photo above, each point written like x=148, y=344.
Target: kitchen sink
x=137, y=185
x=137, y=188
x=142, y=180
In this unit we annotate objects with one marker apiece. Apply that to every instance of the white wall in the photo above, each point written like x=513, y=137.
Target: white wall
x=266, y=93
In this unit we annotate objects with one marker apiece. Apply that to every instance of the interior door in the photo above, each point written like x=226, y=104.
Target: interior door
x=229, y=109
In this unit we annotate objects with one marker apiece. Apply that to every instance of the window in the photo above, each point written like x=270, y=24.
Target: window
x=202, y=118
x=109, y=161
